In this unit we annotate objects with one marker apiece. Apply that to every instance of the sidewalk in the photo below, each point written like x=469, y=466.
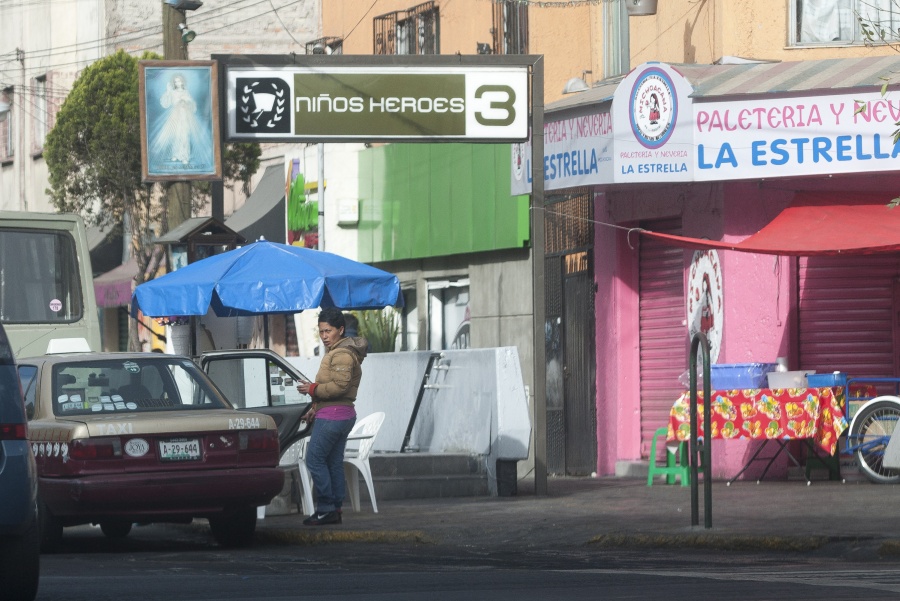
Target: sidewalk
x=777, y=515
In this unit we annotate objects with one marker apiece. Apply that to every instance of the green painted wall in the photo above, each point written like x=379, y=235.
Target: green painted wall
x=432, y=200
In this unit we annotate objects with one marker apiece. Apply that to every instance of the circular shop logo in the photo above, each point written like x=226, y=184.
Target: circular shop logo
x=518, y=161
x=704, y=299
x=653, y=108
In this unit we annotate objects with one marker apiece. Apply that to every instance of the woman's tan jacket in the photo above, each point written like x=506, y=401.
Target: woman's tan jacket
x=337, y=380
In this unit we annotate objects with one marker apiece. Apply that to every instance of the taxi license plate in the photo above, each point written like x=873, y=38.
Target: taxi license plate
x=179, y=450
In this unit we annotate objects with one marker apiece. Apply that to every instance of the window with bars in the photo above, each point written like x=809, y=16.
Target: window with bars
x=510, y=28
x=816, y=22
x=41, y=117
x=7, y=133
x=412, y=31
x=568, y=221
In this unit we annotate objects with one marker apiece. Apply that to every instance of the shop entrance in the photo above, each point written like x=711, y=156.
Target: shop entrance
x=663, y=332
x=848, y=314
x=571, y=367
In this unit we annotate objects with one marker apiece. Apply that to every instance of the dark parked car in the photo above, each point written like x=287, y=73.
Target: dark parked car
x=121, y=438
x=19, y=541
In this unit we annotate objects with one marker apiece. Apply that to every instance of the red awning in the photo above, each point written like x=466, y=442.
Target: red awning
x=817, y=223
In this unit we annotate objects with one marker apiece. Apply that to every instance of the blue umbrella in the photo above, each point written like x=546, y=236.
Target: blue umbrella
x=267, y=278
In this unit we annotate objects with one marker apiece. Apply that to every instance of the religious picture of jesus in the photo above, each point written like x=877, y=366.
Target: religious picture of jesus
x=179, y=119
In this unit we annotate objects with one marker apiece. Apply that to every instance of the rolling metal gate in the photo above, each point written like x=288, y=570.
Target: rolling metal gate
x=848, y=312
x=663, y=333
x=571, y=366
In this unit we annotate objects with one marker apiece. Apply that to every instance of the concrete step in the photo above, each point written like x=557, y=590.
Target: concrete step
x=423, y=475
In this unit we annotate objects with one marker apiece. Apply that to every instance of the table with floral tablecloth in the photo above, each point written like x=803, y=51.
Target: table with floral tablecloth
x=766, y=414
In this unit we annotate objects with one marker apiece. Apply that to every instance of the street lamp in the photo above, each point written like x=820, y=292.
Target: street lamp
x=184, y=4
x=187, y=35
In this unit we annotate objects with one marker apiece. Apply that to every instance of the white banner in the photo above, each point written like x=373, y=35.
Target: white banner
x=778, y=137
x=577, y=152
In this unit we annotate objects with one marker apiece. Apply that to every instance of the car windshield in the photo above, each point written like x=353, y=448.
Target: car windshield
x=133, y=385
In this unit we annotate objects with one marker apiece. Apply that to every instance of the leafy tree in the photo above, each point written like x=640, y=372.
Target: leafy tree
x=93, y=154
x=874, y=34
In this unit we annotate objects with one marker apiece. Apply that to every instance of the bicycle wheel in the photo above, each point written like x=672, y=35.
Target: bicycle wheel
x=870, y=433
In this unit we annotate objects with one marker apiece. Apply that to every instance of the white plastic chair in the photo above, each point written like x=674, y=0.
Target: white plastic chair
x=356, y=457
x=297, y=453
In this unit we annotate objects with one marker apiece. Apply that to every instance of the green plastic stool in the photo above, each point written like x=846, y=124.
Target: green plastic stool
x=830, y=462
x=671, y=468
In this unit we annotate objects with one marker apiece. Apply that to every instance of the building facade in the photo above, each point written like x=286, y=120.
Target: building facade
x=45, y=46
x=802, y=70
x=617, y=323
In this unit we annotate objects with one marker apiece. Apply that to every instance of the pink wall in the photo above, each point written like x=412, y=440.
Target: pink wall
x=757, y=303
x=616, y=318
x=758, y=306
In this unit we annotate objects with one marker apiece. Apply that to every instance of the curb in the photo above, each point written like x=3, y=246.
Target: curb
x=318, y=537
x=713, y=542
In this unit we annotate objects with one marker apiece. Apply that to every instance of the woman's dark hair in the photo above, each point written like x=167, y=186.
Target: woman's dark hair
x=332, y=317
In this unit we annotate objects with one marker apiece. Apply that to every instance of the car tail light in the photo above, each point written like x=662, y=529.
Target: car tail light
x=13, y=432
x=258, y=440
x=95, y=448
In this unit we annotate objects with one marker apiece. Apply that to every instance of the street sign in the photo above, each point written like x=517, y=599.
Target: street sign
x=377, y=103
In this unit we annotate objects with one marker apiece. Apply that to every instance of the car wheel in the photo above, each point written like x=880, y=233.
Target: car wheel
x=115, y=529
x=20, y=558
x=234, y=529
x=50, y=529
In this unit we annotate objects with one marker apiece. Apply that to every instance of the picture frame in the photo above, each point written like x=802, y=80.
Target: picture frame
x=179, y=112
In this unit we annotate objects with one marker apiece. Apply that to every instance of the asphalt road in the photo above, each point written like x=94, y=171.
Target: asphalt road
x=167, y=563
x=590, y=538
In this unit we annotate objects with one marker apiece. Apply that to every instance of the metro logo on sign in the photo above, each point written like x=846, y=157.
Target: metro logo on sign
x=383, y=103
x=262, y=105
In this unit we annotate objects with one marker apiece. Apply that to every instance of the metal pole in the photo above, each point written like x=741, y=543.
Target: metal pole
x=537, y=258
x=701, y=456
x=19, y=100
x=320, y=194
x=178, y=194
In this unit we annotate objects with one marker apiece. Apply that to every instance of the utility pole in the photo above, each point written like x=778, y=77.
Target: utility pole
x=20, y=135
x=178, y=194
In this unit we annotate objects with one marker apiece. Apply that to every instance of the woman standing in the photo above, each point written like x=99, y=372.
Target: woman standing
x=333, y=394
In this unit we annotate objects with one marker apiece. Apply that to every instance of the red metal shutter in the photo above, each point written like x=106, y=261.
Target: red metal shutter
x=846, y=314
x=663, y=333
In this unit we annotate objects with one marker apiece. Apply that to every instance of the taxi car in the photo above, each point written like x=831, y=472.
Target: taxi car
x=121, y=438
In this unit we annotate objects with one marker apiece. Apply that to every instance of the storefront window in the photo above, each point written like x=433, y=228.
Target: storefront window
x=448, y=314
x=838, y=21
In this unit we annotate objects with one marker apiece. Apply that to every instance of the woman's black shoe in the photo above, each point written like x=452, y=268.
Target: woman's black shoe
x=321, y=519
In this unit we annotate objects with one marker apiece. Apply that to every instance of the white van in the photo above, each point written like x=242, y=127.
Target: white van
x=47, y=299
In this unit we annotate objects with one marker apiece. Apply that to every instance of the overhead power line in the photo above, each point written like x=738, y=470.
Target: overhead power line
x=126, y=38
